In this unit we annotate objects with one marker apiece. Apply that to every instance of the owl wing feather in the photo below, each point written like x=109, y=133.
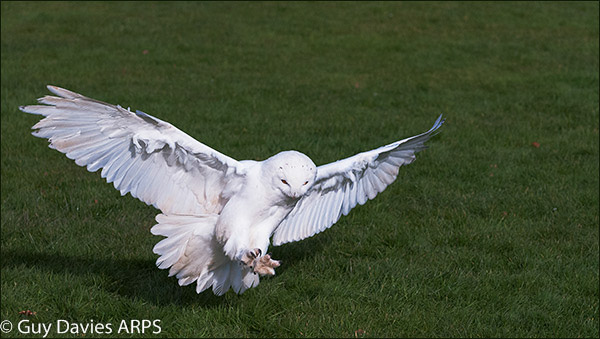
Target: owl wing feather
x=140, y=154
x=344, y=184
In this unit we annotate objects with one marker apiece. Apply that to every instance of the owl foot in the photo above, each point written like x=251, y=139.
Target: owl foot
x=258, y=263
x=249, y=257
x=265, y=265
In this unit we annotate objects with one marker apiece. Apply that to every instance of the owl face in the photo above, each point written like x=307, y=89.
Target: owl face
x=294, y=173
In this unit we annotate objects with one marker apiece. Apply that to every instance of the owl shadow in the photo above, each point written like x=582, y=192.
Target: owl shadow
x=141, y=279
x=130, y=278
x=298, y=253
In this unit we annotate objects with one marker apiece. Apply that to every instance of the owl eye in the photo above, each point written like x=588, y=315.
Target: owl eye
x=306, y=183
x=283, y=181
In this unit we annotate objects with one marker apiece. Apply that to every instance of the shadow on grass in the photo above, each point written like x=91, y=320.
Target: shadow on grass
x=141, y=279
x=297, y=253
x=131, y=278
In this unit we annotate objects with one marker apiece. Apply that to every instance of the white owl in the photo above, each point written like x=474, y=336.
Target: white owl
x=218, y=214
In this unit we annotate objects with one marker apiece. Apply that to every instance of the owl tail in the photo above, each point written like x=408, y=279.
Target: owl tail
x=193, y=254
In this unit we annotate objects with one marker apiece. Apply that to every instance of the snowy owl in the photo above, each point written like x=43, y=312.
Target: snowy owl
x=218, y=214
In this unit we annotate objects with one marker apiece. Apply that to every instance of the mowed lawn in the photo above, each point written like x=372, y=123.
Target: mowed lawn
x=492, y=232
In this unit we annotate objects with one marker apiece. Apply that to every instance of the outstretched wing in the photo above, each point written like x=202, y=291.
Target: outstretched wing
x=343, y=184
x=140, y=154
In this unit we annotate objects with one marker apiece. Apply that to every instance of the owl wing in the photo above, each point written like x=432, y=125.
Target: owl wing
x=140, y=154
x=343, y=184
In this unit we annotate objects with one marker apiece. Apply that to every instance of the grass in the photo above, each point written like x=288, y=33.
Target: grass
x=484, y=235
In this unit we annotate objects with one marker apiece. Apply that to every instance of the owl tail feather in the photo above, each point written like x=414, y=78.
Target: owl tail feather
x=193, y=254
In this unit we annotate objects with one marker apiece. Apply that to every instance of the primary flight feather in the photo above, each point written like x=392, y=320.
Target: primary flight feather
x=218, y=214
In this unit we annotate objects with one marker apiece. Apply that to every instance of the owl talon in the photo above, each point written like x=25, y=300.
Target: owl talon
x=265, y=265
x=258, y=263
x=250, y=257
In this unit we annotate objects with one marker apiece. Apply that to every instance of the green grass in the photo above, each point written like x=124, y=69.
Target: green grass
x=484, y=235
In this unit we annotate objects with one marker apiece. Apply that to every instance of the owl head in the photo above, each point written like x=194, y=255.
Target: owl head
x=293, y=173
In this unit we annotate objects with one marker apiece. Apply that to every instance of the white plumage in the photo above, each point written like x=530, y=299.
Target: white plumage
x=218, y=214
